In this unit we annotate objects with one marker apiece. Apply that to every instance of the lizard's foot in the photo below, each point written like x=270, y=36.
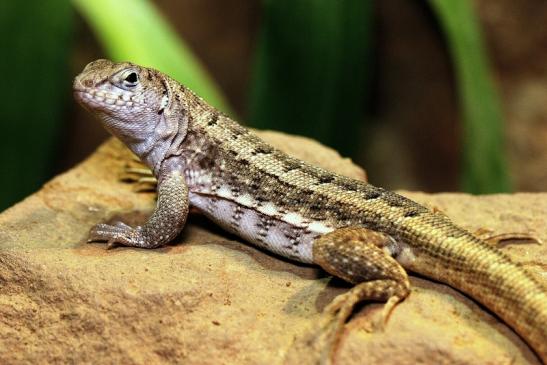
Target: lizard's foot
x=341, y=308
x=360, y=256
x=319, y=344
x=119, y=233
x=488, y=236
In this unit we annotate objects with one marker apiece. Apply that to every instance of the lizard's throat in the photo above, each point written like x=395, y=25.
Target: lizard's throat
x=142, y=141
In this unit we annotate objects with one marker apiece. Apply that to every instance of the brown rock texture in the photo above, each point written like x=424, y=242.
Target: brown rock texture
x=209, y=298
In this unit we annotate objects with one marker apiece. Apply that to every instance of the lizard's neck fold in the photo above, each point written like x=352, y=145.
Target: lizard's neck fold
x=149, y=141
x=151, y=152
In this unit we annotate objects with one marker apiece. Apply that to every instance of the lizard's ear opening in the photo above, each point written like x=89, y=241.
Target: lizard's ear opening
x=165, y=99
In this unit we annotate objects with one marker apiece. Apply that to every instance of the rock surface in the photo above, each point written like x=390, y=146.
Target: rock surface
x=208, y=298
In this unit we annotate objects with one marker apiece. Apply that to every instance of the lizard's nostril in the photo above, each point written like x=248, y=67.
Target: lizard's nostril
x=88, y=83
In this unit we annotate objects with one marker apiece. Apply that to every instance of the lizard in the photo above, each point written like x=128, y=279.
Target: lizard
x=363, y=234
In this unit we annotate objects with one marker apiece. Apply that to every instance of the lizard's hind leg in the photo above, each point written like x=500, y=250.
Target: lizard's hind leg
x=360, y=256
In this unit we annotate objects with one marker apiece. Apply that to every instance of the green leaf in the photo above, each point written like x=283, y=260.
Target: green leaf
x=484, y=169
x=311, y=69
x=134, y=30
x=35, y=40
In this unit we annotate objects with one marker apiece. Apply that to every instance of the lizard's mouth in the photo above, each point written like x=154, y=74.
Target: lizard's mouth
x=103, y=100
x=96, y=97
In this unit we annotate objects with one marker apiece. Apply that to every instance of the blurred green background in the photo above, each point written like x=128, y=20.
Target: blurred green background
x=408, y=89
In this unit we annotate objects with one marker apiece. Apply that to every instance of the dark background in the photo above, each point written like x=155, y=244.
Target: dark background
x=411, y=135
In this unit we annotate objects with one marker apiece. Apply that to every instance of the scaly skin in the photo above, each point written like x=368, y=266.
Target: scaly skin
x=358, y=232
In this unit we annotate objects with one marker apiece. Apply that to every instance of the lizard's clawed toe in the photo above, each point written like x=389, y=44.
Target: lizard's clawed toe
x=119, y=233
x=496, y=239
x=141, y=178
x=337, y=303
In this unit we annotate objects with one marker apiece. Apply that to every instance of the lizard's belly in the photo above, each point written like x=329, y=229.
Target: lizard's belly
x=286, y=233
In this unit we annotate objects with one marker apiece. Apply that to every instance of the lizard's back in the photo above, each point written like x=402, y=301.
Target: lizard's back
x=284, y=205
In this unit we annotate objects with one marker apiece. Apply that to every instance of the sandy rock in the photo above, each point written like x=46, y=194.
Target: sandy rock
x=208, y=298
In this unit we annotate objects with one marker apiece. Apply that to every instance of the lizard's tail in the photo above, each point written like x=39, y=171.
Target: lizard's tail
x=488, y=275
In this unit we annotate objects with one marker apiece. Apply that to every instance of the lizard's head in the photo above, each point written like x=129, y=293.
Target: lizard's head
x=129, y=99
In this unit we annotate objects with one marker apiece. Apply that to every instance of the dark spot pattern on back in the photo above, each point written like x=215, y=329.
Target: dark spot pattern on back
x=213, y=120
x=263, y=149
x=411, y=213
x=372, y=194
x=326, y=178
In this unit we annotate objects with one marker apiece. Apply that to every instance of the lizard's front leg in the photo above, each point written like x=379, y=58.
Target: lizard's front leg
x=359, y=256
x=164, y=224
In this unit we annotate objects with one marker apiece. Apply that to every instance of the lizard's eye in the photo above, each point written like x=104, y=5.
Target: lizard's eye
x=131, y=79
